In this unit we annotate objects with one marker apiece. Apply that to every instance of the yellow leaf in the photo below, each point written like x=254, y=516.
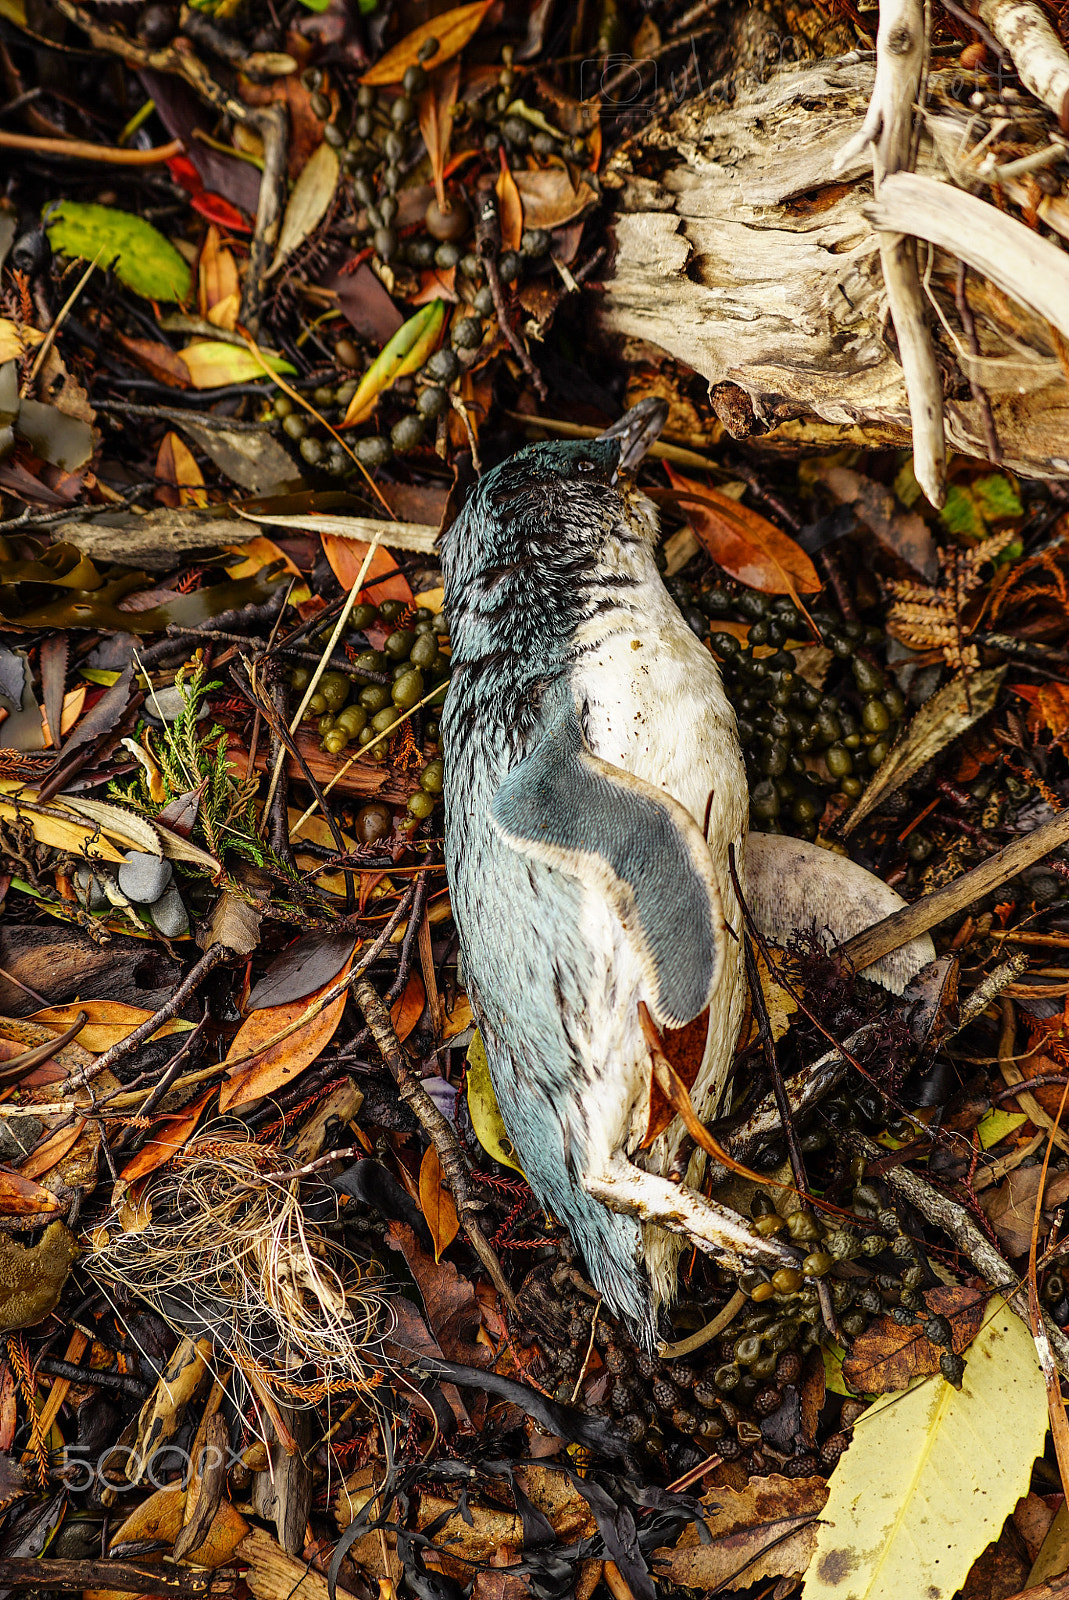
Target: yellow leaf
x=932, y=1474
x=212, y=364
x=107, y=1022
x=452, y=30
x=224, y=314
x=406, y=352
x=15, y=341
x=483, y=1109
x=436, y=1203
x=61, y=835
x=307, y=205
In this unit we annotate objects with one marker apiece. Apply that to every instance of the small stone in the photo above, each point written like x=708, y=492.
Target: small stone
x=90, y=889
x=169, y=914
x=143, y=878
x=164, y=705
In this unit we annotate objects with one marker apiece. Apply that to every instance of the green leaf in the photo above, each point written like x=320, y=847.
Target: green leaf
x=315, y=5
x=907, y=488
x=932, y=1474
x=140, y=257
x=406, y=352
x=961, y=514
x=995, y=1126
x=483, y=1109
x=997, y=498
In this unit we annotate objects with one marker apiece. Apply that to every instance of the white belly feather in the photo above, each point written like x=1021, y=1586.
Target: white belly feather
x=655, y=706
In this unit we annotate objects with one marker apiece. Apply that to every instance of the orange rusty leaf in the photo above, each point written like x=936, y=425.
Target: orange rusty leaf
x=407, y=1010
x=436, y=1203
x=510, y=207
x=218, y=290
x=346, y=557
x=452, y=30
x=21, y=1197
x=45, y=1156
x=176, y=464
x=167, y=1136
x=278, y=1064
x=436, y=122
x=746, y=545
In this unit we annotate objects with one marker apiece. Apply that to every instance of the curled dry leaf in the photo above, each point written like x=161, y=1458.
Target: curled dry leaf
x=550, y=199
x=509, y=206
x=746, y=545
x=218, y=287
x=308, y=203
x=949, y=713
x=176, y=466
x=766, y=1530
x=452, y=30
x=164, y=1138
x=436, y=122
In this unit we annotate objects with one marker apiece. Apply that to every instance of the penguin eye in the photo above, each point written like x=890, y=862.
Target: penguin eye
x=584, y=464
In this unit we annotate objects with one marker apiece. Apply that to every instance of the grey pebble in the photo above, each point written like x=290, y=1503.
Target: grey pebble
x=169, y=914
x=143, y=878
x=164, y=705
x=90, y=889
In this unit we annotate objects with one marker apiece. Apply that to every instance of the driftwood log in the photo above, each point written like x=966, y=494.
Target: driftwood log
x=744, y=254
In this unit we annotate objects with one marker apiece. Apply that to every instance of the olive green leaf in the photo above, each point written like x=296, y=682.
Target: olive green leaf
x=483, y=1109
x=134, y=250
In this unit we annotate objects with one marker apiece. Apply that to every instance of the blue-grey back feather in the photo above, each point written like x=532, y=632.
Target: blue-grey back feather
x=516, y=592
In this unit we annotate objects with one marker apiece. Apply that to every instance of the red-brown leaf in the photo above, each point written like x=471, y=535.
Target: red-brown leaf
x=745, y=544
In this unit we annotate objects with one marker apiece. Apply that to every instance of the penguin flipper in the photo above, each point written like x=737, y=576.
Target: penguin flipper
x=634, y=844
x=792, y=885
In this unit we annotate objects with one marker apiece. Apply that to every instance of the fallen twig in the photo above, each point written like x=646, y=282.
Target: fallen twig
x=929, y=912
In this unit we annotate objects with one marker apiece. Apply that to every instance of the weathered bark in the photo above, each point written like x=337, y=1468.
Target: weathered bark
x=741, y=255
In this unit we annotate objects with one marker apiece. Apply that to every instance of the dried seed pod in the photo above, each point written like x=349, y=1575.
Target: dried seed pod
x=832, y=1449
x=802, y=1467
x=850, y=1411
x=938, y=1331
x=789, y=1367
x=684, y=1420
x=952, y=1367
x=665, y=1395
x=682, y=1376
x=765, y=1401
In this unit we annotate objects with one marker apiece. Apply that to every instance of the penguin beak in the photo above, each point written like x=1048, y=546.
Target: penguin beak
x=636, y=430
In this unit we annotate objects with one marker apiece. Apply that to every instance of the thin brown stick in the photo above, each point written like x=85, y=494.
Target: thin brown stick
x=437, y=1130
x=167, y=1012
x=83, y=150
x=955, y=1222
x=902, y=926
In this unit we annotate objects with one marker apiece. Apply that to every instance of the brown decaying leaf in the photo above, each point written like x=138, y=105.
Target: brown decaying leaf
x=766, y=1530
x=436, y=1203
x=453, y=1313
x=158, y=360
x=904, y=534
x=346, y=557
x=1010, y=1208
x=746, y=545
x=510, y=207
x=44, y=1156
x=950, y=712
x=888, y=1356
x=452, y=29
x=436, y=122
x=550, y=199
x=159, y=1518
x=280, y=1063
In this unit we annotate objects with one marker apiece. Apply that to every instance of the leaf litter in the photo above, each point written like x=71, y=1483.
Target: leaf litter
x=283, y=349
